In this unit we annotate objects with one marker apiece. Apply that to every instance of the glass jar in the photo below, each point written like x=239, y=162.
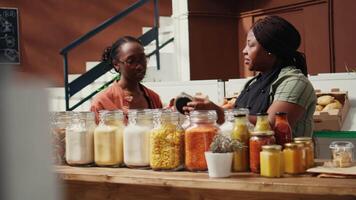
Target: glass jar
x=240, y=132
x=198, y=137
x=271, y=160
x=137, y=138
x=166, y=142
x=294, y=158
x=80, y=140
x=108, y=139
x=257, y=140
x=262, y=123
x=309, y=150
x=282, y=129
x=228, y=125
x=59, y=121
x=342, y=153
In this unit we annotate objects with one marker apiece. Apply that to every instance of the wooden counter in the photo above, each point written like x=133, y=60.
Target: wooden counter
x=123, y=183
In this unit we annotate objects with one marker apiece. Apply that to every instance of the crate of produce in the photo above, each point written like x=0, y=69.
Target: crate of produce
x=331, y=110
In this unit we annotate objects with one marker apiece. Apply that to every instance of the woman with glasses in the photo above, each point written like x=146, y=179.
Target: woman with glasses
x=128, y=58
x=281, y=83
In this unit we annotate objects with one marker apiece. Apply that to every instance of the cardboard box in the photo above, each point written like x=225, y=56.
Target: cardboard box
x=332, y=120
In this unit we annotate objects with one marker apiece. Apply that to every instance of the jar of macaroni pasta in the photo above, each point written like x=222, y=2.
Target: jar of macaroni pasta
x=198, y=137
x=137, y=138
x=108, y=139
x=166, y=141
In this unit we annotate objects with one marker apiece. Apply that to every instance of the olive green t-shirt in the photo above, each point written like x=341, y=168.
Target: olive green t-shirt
x=293, y=87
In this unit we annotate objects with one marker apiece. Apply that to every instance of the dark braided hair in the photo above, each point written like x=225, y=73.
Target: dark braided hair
x=110, y=54
x=279, y=37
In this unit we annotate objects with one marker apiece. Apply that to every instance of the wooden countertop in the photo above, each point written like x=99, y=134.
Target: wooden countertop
x=237, y=182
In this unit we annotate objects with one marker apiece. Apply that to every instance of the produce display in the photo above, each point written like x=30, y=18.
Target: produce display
x=327, y=102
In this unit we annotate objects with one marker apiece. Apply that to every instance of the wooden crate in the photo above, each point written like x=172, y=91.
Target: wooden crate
x=332, y=120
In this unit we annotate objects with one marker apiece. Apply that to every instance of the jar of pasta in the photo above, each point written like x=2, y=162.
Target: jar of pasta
x=240, y=132
x=309, y=150
x=257, y=140
x=108, y=139
x=80, y=140
x=271, y=160
x=198, y=137
x=137, y=138
x=166, y=142
x=294, y=158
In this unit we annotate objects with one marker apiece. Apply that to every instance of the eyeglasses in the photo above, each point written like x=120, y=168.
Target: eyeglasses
x=136, y=60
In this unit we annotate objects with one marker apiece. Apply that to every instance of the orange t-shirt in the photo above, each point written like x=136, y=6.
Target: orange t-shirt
x=114, y=98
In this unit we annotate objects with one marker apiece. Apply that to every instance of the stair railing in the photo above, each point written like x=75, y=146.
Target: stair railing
x=90, y=76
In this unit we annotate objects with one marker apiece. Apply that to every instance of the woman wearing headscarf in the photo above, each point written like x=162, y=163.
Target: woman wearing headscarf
x=281, y=83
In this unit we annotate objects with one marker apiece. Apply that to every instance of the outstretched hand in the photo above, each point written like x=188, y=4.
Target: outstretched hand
x=203, y=103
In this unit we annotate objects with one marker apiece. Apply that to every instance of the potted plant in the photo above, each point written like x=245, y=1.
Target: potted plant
x=219, y=158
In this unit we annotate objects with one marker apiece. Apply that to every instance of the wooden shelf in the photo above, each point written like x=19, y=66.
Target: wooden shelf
x=239, y=182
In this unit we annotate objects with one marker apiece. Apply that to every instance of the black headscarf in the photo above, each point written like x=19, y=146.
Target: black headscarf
x=279, y=37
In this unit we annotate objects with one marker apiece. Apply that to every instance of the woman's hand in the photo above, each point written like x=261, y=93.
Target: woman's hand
x=203, y=103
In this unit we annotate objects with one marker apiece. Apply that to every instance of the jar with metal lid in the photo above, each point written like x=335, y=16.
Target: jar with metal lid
x=166, y=142
x=342, y=153
x=228, y=125
x=59, y=121
x=240, y=132
x=80, y=139
x=271, y=160
x=262, y=123
x=257, y=140
x=309, y=150
x=282, y=129
x=137, y=138
x=198, y=137
x=294, y=158
x=108, y=139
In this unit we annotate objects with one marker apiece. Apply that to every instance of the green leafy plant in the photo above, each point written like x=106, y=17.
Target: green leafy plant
x=223, y=144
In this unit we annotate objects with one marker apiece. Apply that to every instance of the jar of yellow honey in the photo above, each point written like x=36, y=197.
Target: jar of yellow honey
x=309, y=150
x=294, y=158
x=271, y=160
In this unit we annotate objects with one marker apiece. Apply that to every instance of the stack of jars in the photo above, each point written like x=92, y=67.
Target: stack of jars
x=261, y=135
x=79, y=139
x=166, y=141
x=108, y=139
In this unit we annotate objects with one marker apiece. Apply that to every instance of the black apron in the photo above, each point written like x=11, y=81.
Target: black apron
x=256, y=96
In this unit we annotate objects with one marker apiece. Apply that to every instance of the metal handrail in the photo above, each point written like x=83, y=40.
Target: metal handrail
x=75, y=86
x=105, y=85
x=103, y=26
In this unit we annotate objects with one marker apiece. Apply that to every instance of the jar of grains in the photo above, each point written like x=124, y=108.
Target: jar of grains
x=198, y=137
x=166, y=141
x=137, y=138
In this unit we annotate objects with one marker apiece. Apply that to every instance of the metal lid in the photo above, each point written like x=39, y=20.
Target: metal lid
x=272, y=147
x=293, y=145
x=303, y=139
x=262, y=133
